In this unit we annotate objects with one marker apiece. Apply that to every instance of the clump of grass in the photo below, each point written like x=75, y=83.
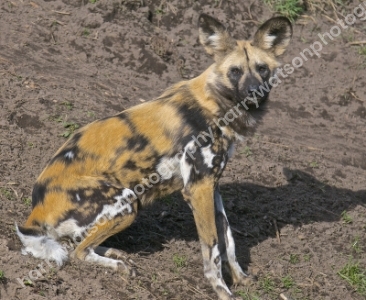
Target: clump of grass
x=347, y=219
x=68, y=105
x=90, y=114
x=287, y=282
x=159, y=11
x=355, y=276
x=314, y=164
x=27, y=201
x=291, y=9
x=267, y=284
x=70, y=129
x=85, y=32
x=362, y=50
x=307, y=257
x=246, y=151
x=180, y=261
x=6, y=193
x=294, y=258
x=356, y=246
x=245, y=295
x=2, y=275
x=55, y=118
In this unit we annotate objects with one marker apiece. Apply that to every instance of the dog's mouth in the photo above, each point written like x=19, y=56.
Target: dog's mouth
x=251, y=103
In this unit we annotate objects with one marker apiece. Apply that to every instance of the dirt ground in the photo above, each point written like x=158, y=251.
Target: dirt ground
x=294, y=191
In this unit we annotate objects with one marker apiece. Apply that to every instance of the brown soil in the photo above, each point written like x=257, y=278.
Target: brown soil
x=75, y=61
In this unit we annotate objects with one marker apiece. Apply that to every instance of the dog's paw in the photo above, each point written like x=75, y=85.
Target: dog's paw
x=126, y=269
x=245, y=279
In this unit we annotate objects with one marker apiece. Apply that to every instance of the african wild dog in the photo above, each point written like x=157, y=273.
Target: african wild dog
x=91, y=189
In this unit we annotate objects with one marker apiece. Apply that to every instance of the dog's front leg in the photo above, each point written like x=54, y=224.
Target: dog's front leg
x=200, y=196
x=227, y=244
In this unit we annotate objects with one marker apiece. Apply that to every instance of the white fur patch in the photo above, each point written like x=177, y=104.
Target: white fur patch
x=230, y=244
x=207, y=155
x=122, y=205
x=239, y=137
x=213, y=270
x=215, y=40
x=69, y=155
x=168, y=167
x=225, y=130
x=92, y=257
x=126, y=195
x=43, y=247
x=77, y=233
x=268, y=41
x=186, y=168
x=70, y=228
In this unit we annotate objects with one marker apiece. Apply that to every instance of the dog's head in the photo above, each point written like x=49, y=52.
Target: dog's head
x=243, y=68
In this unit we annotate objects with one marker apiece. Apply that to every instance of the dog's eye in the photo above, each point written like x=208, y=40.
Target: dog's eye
x=235, y=71
x=263, y=70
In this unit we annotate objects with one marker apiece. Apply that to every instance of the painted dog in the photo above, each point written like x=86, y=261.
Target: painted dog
x=94, y=185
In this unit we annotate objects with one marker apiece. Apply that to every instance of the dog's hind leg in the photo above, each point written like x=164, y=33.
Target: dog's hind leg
x=226, y=243
x=115, y=220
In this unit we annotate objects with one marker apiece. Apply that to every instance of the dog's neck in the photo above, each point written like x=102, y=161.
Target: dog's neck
x=220, y=108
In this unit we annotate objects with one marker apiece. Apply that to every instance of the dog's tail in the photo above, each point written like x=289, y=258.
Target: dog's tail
x=37, y=243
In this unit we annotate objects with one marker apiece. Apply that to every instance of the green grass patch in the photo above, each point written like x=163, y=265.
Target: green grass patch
x=180, y=261
x=6, y=193
x=356, y=245
x=70, y=129
x=68, y=105
x=347, y=219
x=362, y=50
x=314, y=164
x=267, y=284
x=90, y=114
x=85, y=32
x=245, y=295
x=288, y=282
x=294, y=258
x=307, y=257
x=27, y=201
x=355, y=276
x=291, y=9
x=246, y=151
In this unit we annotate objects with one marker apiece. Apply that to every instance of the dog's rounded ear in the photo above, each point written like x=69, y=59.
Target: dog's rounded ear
x=274, y=35
x=214, y=36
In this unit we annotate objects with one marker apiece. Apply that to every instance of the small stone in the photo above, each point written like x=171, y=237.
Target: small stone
x=301, y=237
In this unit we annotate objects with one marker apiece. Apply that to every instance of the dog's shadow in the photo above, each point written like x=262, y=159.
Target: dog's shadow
x=251, y=210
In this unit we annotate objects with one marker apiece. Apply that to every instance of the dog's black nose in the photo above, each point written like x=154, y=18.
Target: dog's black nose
x=252, y=89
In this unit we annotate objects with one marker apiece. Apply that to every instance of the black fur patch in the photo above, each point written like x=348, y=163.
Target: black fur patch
x=125, y=118
x=38, y=193
x=210, y=25
x=234, y=76
x=30, y=231
x=93, y=202
x=137, y=143
x=71, y=148
x=193, y=117
x=131, y=165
